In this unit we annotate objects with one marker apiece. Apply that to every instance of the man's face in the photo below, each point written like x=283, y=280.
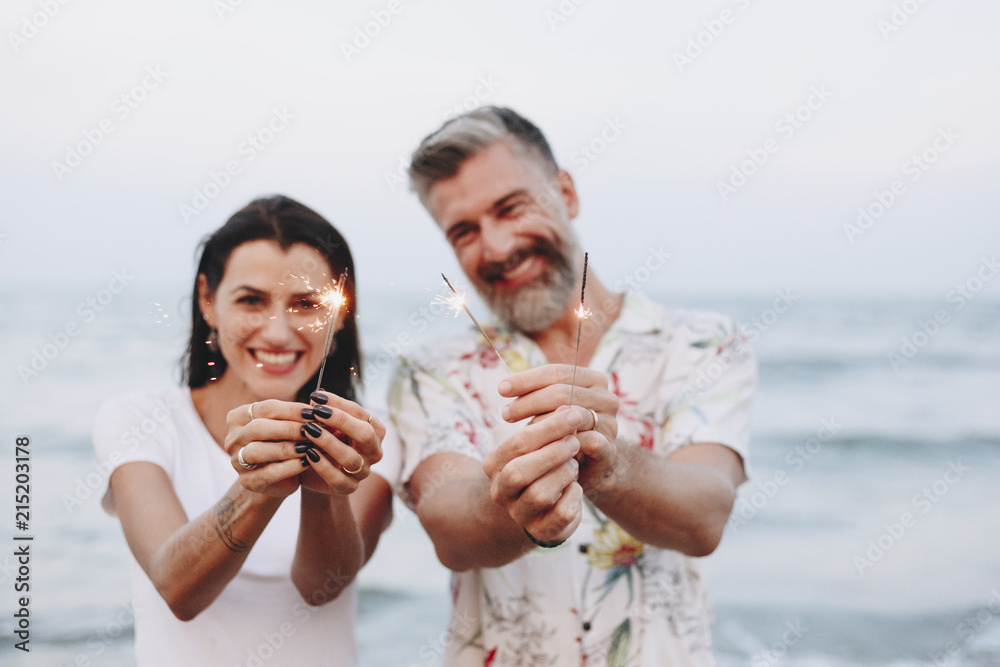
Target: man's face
x=507, y=220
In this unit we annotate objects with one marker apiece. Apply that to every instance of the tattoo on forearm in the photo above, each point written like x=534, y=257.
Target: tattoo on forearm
x=225, y=515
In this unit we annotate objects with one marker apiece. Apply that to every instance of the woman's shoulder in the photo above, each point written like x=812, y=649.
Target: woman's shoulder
x=159, y=404
x=139, y=426
x=141, y=421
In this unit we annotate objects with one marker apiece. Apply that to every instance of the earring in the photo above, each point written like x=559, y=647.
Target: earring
x=213, y=340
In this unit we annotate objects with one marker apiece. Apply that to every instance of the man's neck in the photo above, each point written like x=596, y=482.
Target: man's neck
x=558, y=341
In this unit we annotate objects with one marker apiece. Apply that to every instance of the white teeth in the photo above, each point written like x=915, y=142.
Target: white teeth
x=271, y=359
x=521, y=268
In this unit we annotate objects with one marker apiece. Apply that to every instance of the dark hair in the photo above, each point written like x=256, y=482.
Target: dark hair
x=286, y=222
x=441, y=153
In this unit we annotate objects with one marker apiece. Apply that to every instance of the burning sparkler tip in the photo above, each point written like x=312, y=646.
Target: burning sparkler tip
x=448, y=283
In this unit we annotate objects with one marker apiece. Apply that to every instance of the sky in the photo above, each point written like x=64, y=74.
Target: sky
x=846, y=147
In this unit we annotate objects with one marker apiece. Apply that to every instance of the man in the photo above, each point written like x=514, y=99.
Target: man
x=570, y=527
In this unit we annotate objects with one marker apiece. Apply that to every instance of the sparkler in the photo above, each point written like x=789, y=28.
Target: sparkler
x=581, y=314
x=333, y=299
x=457, y=301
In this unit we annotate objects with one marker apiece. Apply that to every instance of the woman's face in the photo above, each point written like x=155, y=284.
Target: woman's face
x=267, y=310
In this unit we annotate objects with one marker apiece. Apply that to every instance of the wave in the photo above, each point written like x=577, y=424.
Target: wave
x=857, y=636
x=885, y=442
x=826, y=365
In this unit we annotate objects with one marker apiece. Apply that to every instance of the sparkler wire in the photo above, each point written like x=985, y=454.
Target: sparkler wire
x=468, y=312
x=581, y=314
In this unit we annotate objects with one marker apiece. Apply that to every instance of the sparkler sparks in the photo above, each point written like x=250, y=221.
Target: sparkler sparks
x=333, y=299
x=456, y=301
x=581, y=314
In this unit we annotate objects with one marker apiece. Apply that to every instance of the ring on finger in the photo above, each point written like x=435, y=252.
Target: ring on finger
x=596, y=420
x=355, y=472
x=243, y=463
x=250, y=411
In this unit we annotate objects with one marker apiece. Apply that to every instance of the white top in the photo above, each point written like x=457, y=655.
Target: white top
x=603, y=597
x=260, y=618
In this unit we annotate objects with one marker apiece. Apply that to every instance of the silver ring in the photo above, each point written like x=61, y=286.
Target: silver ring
x=355, y=472
x=370, y=415
x=250, y=411
x=596, y=420
x=239, y=457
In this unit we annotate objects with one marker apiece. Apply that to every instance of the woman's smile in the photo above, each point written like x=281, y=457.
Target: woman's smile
x=276, y=361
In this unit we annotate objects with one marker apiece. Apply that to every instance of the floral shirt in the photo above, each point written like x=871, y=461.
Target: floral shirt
x=602, y=597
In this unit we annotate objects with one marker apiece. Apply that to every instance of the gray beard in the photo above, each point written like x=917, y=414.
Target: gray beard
x=536, y=306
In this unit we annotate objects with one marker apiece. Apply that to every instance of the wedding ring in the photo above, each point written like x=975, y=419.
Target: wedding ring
x=596, y=420
x=239, y=457
x=355, y=472
x=250, y=411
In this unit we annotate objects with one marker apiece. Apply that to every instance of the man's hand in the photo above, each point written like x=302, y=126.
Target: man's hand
x=533, y=476
x=540, y=392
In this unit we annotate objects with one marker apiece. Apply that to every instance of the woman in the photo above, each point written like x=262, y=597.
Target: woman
x=245, y=497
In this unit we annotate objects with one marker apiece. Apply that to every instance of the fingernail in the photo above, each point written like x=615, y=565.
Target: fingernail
x=311, y=429
x=301, y=447
x=574, y=444
x=574, y=418
x=305, y=462
x=313, y=455
x=307, y=413
x=504, y=387
x=318, y=397
x=506, y=413
x=323, y=412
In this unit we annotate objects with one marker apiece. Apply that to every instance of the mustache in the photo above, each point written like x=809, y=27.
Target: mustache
x=494, y=271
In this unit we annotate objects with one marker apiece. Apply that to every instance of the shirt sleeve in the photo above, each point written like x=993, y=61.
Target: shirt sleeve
x=432, y=414
x=130, y=428
x=717, y=375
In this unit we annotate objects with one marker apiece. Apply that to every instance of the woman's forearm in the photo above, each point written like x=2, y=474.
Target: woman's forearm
x=329, y=551
x=192, y=567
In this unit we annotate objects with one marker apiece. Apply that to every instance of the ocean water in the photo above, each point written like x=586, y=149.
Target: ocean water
x=820, y=566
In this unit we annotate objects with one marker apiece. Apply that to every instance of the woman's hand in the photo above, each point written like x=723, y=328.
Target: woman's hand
x=267, y=444
x=346, y=441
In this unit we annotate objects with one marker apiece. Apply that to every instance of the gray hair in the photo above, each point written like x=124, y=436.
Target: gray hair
x=440, y=155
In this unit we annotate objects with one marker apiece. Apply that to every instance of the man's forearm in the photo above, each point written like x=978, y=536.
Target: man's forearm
x=669, y=504
x=468, y=529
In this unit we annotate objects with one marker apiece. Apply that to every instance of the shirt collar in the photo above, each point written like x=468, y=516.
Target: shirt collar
x=639, y=315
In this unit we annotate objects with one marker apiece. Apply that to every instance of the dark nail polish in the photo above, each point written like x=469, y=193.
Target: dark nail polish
x=318, y=397
x=305, y=462
x=307, y=413
x=311, y=429
x=323, y=412
x=313, y=455
x=301, y=447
